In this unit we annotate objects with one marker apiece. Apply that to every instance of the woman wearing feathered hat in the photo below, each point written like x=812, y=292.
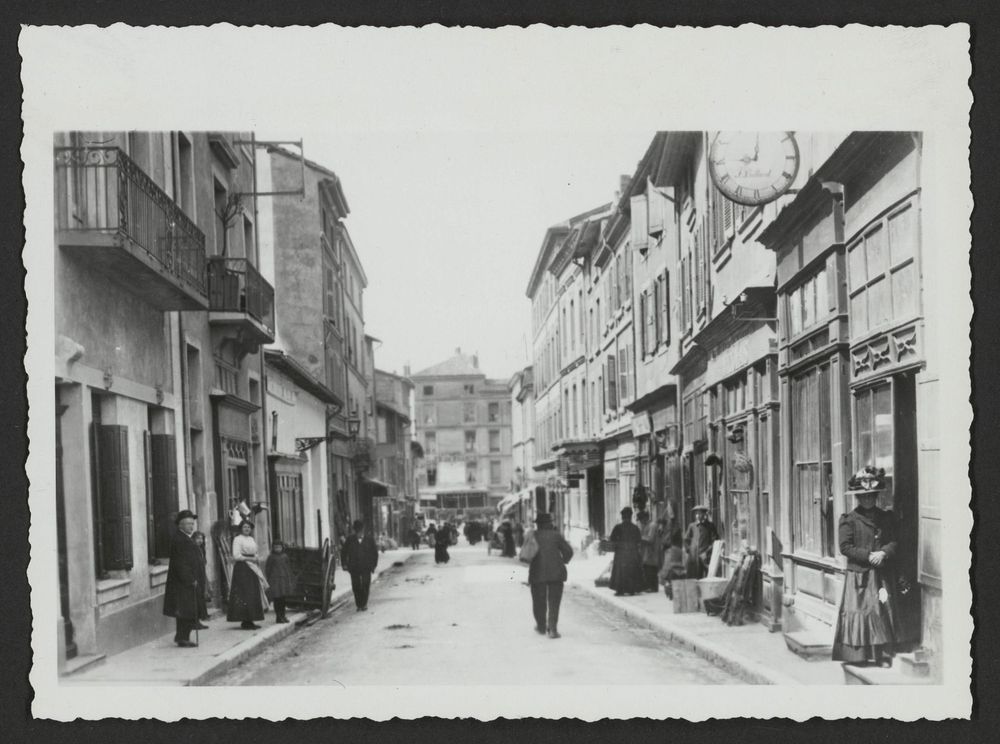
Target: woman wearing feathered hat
x=868, y=619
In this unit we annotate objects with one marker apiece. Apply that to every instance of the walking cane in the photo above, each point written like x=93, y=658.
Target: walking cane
x=197, y=620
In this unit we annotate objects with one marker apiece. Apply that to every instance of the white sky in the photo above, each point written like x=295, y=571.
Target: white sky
x=448, y=226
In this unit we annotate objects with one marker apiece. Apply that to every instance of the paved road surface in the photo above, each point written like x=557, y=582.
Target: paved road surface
x=470, y=622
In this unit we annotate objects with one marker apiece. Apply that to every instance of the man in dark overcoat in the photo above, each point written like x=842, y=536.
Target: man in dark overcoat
x=184, y=596
x=698, y=539
x=547, y=574
x=359, y=557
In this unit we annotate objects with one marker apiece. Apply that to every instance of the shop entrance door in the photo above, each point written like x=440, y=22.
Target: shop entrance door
x=595, y=499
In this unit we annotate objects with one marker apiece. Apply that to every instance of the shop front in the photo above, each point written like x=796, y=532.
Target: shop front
x=850, y=361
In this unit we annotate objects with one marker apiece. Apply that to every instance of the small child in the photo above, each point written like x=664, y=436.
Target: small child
x=278, y=572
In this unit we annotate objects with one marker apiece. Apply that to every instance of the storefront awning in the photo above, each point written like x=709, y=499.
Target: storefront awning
x=375, y=486
x=511, y=500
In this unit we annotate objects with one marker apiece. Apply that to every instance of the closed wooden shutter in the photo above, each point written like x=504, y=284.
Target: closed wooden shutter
x=663, y=329
x=612, y=383
x=115, y=516
x=643, y=346
x=165, y=497
x=640, y=227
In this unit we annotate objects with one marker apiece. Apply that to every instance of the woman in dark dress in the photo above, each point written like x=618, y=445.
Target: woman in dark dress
x=442, y=538
x=868, y=621
x=626, y=569
x=509, y=548
x=246, y=596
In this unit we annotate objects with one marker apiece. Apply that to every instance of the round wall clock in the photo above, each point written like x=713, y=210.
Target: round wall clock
x=753, y=168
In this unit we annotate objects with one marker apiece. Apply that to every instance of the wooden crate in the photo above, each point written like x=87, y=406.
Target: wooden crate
x=685, y=595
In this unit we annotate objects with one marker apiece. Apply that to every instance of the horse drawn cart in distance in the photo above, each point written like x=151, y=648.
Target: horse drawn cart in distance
x=313, y=572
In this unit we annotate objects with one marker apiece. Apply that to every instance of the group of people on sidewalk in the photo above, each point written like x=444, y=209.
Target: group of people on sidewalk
x=251, y=588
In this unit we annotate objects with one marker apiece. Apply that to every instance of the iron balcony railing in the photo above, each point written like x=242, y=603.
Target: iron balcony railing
x=235, y=285
x=101, y=190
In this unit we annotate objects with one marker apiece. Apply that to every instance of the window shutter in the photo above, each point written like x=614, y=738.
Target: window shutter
x=728, y=217
x=115, y=504
x=150, y=498
x=663, y=332
x=165, y=502
x=623, y=373
x=639, y=223
x=652, y=318
x=656, y=212
x=612, y=383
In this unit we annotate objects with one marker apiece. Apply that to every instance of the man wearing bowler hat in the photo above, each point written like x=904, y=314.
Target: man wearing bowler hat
x=184, y=598
x=698, y=539
x=547, y=574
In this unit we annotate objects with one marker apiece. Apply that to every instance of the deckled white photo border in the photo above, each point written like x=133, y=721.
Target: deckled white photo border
x=510, y=79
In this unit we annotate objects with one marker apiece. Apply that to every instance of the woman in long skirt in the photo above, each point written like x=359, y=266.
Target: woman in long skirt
x=868, y=622
x=626, y=569
x=246, y=595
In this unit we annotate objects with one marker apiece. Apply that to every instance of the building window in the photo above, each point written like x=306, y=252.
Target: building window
x=883, y=272
x=495, y=472
x=808, y=303
x=624, y=354
x=470, y=472
x=611, y=400
x=812, y=466
x=494, y=413
x=470, y=441
x=873, y=427
x=469, y=412
x=429, y=414
x=428, y=390
x=494, y=440
x=663, y=303
x=432, y=475
x=469, y=388
x=430, y=443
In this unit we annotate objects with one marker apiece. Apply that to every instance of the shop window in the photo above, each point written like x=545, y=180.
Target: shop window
x=873, y=427
x=882, y=270
x=812, y=467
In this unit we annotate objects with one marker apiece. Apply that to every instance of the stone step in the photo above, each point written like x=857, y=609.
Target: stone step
x=810, y=645
x=914, y=664
x=83, y=661
x=872, y=675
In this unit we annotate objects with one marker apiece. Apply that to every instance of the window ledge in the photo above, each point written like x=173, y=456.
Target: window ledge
x=107, y=585
x=162, y=568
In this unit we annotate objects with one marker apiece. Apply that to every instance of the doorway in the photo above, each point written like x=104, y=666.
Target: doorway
x=595, y=500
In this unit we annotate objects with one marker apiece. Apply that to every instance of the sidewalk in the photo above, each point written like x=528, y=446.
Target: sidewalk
x=749, y=651
x=221, y=647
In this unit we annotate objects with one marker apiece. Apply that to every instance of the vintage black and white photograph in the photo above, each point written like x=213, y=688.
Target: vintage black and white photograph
x=382, y=379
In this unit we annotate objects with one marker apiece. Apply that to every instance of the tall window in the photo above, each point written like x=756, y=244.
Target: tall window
x=494, y=413
x=686, y=293
x=469, y=412
x=873, y=427
x=612, y=383
x=624, y=353
x=288, y=515
x=573, y=413
x=494, y=440
x=430, y=441
x=808, y=303
x=883, y=272
x=583, y=329
x=470, y=441
x=663, y=305
x=495, y=472
x=572, y=324
x=812, y=466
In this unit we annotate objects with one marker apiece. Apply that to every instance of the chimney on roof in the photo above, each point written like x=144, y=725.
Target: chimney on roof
x=406, y=370
x=475, y=361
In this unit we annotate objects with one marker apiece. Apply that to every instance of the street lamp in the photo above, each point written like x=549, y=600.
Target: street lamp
x=353, y=425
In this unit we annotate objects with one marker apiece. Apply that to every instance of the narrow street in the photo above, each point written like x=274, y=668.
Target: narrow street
x=470, y=622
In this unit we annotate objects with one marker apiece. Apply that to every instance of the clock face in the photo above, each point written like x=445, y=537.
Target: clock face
x=753, y=167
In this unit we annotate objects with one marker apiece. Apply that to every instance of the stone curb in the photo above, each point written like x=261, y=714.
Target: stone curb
x=238, y=654
x=750, y=671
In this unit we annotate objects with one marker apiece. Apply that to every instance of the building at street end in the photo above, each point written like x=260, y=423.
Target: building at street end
x=463, y=424
x=520, y=504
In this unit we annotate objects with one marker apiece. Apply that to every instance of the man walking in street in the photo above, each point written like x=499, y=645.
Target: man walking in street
x=698, y=539
x=359, y=558
x=184, y=595
x=547, y=574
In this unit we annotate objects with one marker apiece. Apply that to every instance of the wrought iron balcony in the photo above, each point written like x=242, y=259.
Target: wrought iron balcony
x=239, y=296
x=113, y=215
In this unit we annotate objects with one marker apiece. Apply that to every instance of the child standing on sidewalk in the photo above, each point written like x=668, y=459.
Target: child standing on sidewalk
x=278, y=571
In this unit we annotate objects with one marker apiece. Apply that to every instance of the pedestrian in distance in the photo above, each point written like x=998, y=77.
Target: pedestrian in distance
x=441, y=538
x=518, y=534
x=698, y=540
x=507, y=535
x=626, y=568
x=547, y=575
x=248, y=593
x=650, y=551
x=359, y=558
x=281, y=585
x=869, y=622
x=184, y=594
x=414, y=539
